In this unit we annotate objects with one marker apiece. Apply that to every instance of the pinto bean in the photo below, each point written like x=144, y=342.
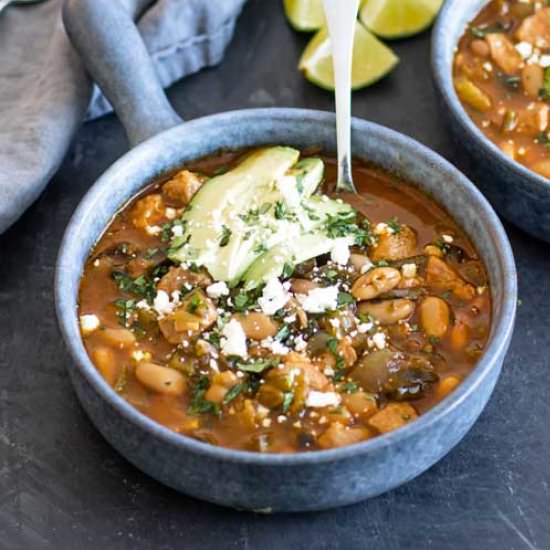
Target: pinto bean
x=435, y=316
x=119, y=337
x=257, y=325
x=480, y=48
x=161, y=379
x=388, y=312
x=375, y=282
x=503, y=52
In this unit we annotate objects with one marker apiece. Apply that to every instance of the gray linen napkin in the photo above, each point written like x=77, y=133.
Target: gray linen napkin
x=45, y=93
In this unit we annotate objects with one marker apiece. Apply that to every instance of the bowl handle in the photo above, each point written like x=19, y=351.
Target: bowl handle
x=107, y=39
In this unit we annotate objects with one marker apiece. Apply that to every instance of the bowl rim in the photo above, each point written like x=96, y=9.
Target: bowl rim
x=442, y=74
x=501, y=333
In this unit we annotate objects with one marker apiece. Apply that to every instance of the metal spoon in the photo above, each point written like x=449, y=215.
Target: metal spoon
x=5, y=3
x=341, y=16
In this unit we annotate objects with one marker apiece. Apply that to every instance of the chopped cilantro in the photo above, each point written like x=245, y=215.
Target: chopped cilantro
x=260, y=248
x=481, y=31
x=233, y=392
x=394, y=225
x=345, y=299
x=199, y=404
x=349, y=387
x=544, y=92
x=434, y=340
x=511, y=82
x=332, y=345
x=283, y=333
x=125, y=309
x=287, y=401
x=150, y=252
x=226, y=236
x=141, y=286
x=194, y=303
x=257, y=366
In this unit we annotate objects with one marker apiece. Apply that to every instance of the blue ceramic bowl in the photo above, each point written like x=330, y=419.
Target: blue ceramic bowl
x=240, y=479
x=517, y=193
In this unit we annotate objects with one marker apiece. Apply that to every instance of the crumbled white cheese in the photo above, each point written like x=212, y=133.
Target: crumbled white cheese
x=274, y=346
x=217, y=290
x=274, y=297
x=319, y=399
x=381, y=228
x=89, y=323
x=170, y=213
x=334, y=323
x=278, y=348
x=234, y=339
x=299, y=343
x=340, y=251
x=447, y=238
x=162, y=303
x=142, y=304
x=266, y=422
x=379, y=340
x=544, y=61
x=525, y=49
x=177, y=230
x=408, y=270
x=318, y=300
x=487, y=66
x=364, y=327
x=153, y=230
x=328, y=371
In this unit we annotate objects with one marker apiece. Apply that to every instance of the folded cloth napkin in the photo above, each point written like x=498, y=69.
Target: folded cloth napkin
x=45, y=93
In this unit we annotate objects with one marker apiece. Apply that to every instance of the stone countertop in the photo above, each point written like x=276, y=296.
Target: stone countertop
x=63, y=487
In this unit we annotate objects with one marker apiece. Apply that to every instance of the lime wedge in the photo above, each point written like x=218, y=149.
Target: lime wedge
x=305, y=15
x=372, y=59
x=398, y=18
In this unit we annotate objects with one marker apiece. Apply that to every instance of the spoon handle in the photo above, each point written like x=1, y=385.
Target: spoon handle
x=341, y=16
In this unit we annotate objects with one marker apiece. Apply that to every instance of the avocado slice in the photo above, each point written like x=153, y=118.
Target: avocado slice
x=221, y=199
x=234, y=218
x=284, y=219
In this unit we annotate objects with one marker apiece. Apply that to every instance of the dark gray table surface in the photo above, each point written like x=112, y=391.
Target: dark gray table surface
x=63, y=487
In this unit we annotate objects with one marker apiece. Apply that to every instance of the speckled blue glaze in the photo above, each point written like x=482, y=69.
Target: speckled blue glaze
x=520, y=195
x=263, y=482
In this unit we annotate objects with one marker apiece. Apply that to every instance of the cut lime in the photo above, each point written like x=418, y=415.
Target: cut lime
x=372, y=59
x=398, y=18
x=305, y=15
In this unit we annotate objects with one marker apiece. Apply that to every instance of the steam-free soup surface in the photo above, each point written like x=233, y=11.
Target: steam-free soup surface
x=335, y=350
x=502, y=77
